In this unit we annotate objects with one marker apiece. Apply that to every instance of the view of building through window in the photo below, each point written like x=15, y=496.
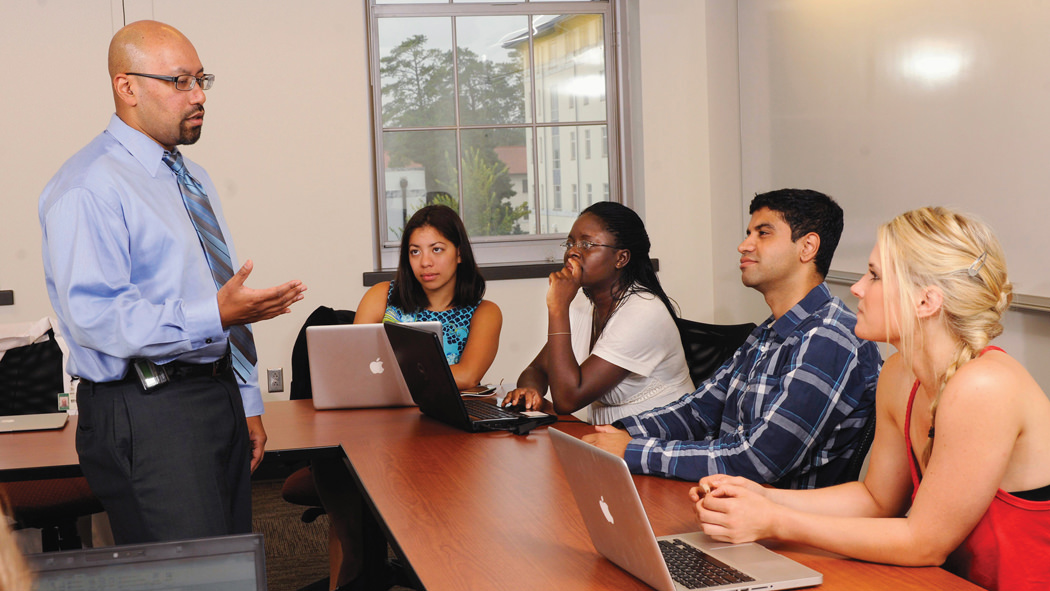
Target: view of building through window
x=503, y=117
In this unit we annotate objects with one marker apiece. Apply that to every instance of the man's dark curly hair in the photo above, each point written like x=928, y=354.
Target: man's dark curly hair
x=807, y=211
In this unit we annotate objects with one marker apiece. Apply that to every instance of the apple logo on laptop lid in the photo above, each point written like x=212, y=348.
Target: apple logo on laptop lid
x=376, y=366
x=605, y=509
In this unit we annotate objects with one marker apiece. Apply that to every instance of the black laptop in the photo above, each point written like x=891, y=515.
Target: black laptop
x=222, y=563
x=430, y=382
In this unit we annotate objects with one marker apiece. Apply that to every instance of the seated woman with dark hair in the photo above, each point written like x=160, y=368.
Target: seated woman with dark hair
x=616, y=348
x=437, y=280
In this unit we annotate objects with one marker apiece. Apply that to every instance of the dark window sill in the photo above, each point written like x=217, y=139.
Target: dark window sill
x=491, y=272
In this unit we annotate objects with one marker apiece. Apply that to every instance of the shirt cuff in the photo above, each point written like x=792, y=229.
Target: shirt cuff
x=203, y=322
x=251, y=397
x=634, y=456
x=631, y=424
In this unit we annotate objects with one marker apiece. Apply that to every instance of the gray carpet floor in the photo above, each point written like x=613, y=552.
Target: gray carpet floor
x=296, y=552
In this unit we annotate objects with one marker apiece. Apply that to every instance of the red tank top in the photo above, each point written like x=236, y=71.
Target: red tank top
x=1009, y=548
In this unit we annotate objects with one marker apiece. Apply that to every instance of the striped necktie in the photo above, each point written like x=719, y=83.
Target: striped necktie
x=203, y=218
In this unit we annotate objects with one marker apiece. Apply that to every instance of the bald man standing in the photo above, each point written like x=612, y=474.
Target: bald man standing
x=139, y=265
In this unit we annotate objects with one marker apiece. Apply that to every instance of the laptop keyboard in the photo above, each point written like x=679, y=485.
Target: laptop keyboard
x=693, y=569
x=484, y=411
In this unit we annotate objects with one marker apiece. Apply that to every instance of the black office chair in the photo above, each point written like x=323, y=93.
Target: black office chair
x=298, y=488
x=31, y=377
x=708, y=346
x=856, y=461
x=301, y=388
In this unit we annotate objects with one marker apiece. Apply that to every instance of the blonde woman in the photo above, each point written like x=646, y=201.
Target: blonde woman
x=959, y=471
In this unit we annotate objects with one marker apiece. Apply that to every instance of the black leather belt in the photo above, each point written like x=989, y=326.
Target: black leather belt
x=179, y=370
x=176, y=370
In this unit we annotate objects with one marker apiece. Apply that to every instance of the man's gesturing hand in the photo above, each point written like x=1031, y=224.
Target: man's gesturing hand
x=243, y=305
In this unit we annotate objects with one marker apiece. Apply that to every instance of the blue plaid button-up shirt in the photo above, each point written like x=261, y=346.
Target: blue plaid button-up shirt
x=787, y=409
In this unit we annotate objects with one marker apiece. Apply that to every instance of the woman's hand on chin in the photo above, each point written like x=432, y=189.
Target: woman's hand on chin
x=563, y=285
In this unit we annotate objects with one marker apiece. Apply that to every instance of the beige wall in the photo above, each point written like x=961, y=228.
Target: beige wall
x=293, y=161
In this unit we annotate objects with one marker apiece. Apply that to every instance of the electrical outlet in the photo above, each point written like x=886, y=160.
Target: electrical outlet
x=275, y=380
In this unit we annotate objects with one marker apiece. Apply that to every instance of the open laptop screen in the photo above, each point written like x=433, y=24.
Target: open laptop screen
x=231, y=563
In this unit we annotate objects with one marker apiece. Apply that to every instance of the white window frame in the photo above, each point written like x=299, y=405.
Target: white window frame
x=529, y=248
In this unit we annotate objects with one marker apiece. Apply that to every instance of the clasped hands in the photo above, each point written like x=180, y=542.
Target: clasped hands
x=733, y=509
x=729, y=508
x=239, y=304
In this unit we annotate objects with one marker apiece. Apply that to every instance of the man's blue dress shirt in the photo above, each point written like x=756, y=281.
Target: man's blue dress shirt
x=125, y=269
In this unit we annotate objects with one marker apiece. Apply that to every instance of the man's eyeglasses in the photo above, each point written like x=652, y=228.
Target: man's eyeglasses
x=582, y=245
x=184, y=82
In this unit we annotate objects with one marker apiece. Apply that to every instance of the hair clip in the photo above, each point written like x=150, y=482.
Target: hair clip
x=978, y=263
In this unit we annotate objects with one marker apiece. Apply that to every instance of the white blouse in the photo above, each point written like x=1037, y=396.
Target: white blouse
x=642, y=338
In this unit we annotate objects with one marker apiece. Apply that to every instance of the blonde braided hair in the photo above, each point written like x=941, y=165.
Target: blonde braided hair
x=959, y=255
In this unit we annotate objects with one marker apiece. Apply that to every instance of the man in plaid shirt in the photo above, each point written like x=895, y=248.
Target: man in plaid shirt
x=789, y=407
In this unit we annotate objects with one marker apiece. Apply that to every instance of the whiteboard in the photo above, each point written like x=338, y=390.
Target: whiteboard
x=889, y=105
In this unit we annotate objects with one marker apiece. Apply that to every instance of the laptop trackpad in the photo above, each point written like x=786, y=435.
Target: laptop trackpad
x=752, y=558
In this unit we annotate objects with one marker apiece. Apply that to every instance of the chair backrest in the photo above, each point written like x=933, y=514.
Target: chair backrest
x=300, y=387
x=31, y=378
x=856, y=461
x=708, y=346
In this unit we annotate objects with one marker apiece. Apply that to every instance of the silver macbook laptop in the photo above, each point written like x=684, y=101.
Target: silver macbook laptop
x=226, y=563
x=620, y=531
x=353, y=366
x=36, y=422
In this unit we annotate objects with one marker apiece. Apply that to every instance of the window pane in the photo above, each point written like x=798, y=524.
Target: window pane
x=419, y=169
x=567, y=171
x=497, y=171
x=497, y=112
x=492, y=81
x=420, y=1
x=415, y=65
x=570, y=67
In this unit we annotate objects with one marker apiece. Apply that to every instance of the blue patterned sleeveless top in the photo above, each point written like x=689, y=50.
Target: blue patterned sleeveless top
x=455, y=324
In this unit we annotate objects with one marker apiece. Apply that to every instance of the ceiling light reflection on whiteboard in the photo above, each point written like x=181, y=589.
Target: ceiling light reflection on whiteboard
x=935, y=67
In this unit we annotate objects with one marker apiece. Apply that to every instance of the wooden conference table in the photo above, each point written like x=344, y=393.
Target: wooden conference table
x=473, y=511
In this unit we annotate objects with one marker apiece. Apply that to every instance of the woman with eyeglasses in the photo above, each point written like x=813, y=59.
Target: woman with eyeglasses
x=612, y=343
x=958, y=472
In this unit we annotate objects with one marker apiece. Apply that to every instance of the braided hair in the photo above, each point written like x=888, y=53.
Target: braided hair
x=958, y=254
x=628, y=230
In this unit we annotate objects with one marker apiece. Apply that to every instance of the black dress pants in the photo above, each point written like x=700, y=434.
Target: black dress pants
x=169, y=464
